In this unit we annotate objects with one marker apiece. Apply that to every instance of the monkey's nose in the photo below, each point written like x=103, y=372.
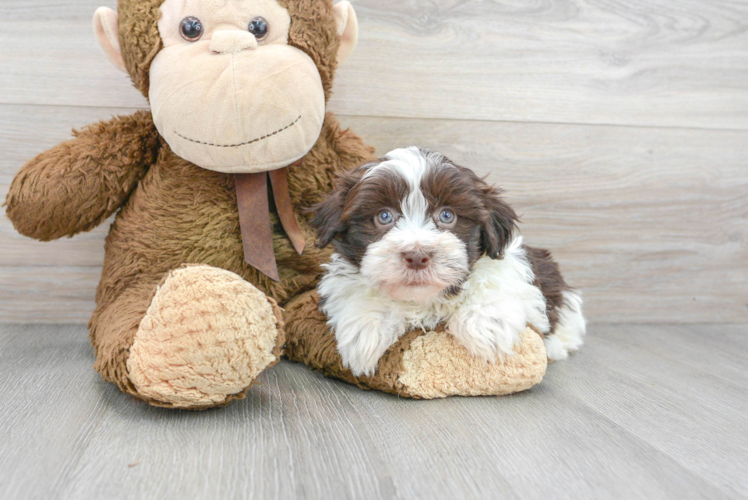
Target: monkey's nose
x=417, y=260
x=232, y=41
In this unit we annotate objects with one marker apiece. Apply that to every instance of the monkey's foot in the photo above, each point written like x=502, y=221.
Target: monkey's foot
x=205, y=338
x=435, y=365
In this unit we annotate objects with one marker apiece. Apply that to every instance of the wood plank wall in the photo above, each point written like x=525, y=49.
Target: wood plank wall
x=619, y=129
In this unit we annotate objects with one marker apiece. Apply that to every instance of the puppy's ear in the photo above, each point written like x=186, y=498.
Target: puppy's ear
x=500, y=223
x=328, y=214
x=327, y=220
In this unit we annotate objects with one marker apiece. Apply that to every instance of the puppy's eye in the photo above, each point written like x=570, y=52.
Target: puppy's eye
x=191, y=29
x=447, y=217
x=385, y=218
x=259, y=28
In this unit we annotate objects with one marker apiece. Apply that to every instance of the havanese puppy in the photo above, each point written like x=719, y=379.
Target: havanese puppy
x=421, y=241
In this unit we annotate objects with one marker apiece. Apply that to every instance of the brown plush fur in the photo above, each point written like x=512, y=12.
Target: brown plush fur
x=139, y=38
x=76, y=185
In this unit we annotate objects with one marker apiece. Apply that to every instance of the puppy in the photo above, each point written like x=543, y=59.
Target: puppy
x=421, y=241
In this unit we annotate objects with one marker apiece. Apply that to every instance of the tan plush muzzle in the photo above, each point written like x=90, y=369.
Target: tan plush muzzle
x=230, y=115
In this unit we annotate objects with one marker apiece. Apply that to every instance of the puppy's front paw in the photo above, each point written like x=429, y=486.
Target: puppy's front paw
x=362, y=343
x=358, y=360
x=487, y=331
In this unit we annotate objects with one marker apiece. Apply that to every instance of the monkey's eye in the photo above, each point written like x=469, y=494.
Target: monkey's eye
x=385, y=218
x=259, y=28
x=191, y=29
x=447, y=217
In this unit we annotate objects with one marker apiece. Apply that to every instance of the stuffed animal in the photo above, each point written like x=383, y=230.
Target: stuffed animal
x=210, y=267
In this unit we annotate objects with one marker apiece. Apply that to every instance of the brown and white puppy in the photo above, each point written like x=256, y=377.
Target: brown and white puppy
x=421, y=241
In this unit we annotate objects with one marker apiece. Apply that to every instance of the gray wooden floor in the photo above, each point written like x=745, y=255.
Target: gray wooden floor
x=641, y=412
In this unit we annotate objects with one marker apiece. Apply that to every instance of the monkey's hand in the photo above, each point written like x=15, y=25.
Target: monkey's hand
x=76, y=185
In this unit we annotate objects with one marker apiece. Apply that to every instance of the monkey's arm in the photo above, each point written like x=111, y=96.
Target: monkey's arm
x=76, y=185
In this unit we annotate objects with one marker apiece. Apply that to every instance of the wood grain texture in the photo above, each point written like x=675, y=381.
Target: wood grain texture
x=651, y=225
x=48, y=294
x=679, y=63
x=628, y=417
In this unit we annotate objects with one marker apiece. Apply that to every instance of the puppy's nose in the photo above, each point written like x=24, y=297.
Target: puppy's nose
x=417, y=260
x=232, y=41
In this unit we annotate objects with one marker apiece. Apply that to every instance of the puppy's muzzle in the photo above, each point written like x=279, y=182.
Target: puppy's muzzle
x=417, y=260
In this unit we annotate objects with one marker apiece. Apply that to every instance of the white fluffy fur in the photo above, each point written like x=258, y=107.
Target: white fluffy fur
x=500, y=300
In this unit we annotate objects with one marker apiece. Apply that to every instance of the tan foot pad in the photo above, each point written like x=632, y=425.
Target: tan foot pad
x=205, y=338
x=436, y=366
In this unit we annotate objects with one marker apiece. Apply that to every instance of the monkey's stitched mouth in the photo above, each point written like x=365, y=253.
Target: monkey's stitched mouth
x=241, y=143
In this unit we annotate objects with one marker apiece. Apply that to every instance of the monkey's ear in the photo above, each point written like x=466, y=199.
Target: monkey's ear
x=106, y=30
x=347, y=22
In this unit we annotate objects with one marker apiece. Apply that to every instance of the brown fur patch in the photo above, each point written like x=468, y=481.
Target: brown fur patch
x=455, y=188
x=550, y=281
x=139, y=38
x=328, y=214
x=479, y=201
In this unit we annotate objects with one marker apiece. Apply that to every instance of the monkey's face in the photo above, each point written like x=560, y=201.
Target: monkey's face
x=228, y=92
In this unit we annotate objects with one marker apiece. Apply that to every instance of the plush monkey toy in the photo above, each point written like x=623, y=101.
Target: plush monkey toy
x=210, y=265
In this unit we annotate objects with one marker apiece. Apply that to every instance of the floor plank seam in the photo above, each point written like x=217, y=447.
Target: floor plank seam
x=438, y=118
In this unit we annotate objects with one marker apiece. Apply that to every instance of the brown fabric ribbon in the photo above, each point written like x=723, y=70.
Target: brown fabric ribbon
x=254, y=217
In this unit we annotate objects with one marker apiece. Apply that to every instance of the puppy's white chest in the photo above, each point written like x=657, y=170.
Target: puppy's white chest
x=428, y=316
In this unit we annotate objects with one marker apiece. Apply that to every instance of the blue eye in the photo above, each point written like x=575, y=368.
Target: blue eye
x=447, y=217
x=385, y=218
